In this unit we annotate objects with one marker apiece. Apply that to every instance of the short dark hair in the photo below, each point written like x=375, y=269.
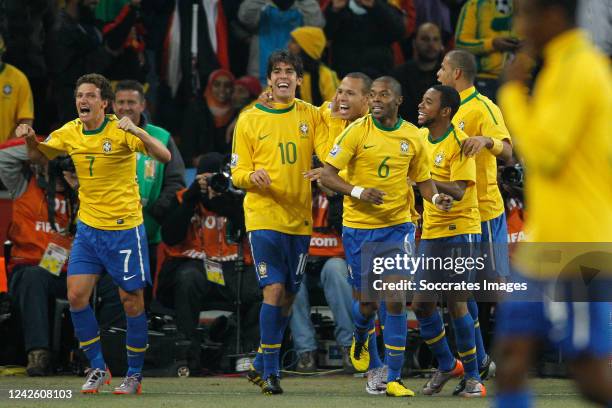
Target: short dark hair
x=569, y=6
x=130, y=85
x=465, y=61
x=367, y=81
x=396, y=87
x=285, y=56
x=106, y=90
x=449, y=98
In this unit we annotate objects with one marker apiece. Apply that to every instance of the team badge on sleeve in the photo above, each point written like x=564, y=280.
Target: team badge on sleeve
x=107, y=146
x=234, y=160
x=334, y=151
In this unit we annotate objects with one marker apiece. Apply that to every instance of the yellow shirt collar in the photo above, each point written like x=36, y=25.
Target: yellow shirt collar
x=466, y=93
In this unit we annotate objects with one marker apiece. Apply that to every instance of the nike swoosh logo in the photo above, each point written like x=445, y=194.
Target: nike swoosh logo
x=128, y=277
x=368, y=146
x=395, y=355
x=263, y=137
x=269, y=352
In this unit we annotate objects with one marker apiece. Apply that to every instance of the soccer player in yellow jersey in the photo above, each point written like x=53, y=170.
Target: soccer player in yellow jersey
x=482, y=121
x=379, y=151
x=110, y=233
x=446, y=235
x=272, y=149
x=562, y=130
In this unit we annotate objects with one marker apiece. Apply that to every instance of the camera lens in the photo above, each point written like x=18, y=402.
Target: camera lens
x=219, y=182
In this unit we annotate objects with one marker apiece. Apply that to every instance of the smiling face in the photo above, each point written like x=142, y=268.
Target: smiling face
x=283, y=80
x=384, y=103
x=351, y=99
x=129, y=103
x=429, y=108
x=89, y=103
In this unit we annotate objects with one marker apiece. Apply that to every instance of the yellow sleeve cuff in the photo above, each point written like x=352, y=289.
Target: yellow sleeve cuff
x=497, y=148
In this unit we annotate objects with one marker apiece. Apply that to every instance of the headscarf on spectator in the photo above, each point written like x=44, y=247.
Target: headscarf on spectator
x=222, y=111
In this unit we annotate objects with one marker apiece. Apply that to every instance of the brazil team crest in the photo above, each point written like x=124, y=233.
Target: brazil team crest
x=303, y=129
x=462, y=125
x=404, y=147
x=107, y=146
x=262, y=270
x=7, y=89
x=438, y=159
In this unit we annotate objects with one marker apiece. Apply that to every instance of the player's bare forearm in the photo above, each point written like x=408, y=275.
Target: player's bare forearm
x=331, y=180
x=154, y=147
x=427, y=189
x=455, y=189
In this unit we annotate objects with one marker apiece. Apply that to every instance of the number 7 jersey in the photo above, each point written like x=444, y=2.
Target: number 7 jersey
x=105, y=162
x=281, y=141
x=381, y=158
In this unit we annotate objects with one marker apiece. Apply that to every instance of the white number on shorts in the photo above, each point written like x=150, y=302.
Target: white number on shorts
x=127, y=253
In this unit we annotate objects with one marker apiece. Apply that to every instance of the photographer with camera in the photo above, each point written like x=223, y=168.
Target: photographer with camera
x=204, y=234
x=41, y=232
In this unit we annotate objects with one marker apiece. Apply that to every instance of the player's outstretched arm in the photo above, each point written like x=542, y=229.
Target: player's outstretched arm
x=331, y=180
x=26, y=131
x=154, y=147
x=429, y=192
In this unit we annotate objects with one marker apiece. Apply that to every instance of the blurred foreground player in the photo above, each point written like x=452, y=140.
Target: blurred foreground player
x=110, y=232
x=562, y=131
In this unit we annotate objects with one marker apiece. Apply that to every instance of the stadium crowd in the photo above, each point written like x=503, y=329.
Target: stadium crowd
x=194, y=75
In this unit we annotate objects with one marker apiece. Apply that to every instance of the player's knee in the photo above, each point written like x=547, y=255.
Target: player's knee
x=457, y=309
x=274, y=294
x=395, y=307
x=78, y=297
x=133, y=303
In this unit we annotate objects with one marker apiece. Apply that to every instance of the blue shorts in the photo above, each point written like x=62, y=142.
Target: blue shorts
x=575, y=328
x=124, y=254
x=458, y=246
x=353, y=240
x=494, y=245
x=279, y=258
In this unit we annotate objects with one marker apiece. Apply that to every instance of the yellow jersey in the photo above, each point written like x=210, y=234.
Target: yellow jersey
x=281, y=141
x=105, y=162
x=449, y=164
x=480, y=21
x=15, y=99
x=379, y=157
x=563, y=132
x=479, y=116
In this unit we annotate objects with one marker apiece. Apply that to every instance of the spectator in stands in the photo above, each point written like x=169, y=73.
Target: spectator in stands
x=44, y=211
x=319, y=82
x=158, y=182
x=326, y=268
x=16, y=103
x=77, y=47
x=205, y=121
x=361, y=33
x=438, y=13
x=485, y=29
x=126, y=35
x=28, y=24
x=419, y=74
x=201, y=265
x=246, y=90
x=271, y=22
